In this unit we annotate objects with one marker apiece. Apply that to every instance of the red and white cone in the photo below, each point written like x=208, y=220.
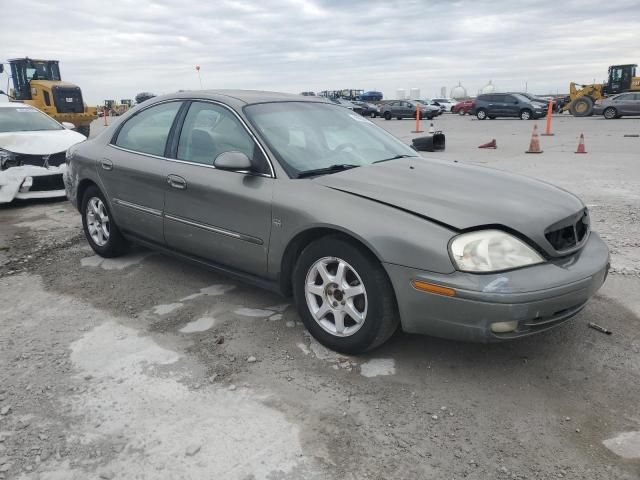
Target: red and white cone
x=581, y=148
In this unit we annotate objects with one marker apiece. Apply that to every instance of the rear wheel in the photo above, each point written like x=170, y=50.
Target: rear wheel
x=344, y=296
x=387, y=115
x=373, y=114
x=99, y=227
x=461, y=112
x=525, y=114
x=610, y=113
x=581, y=107
x=481, y=114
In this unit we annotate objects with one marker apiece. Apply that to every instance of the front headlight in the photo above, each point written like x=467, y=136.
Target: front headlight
x=7, y=159
x=491, y=251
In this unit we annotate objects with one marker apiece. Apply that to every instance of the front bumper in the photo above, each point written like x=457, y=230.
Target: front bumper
x=598, y=109
x=537, y=298
x=46, y=183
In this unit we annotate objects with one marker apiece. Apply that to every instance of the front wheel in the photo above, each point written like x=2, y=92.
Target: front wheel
x=344, y=296
x=461, y=112
x=99, y=227
x=481, y=114
x=610, y=113
x=526, y=115
x=387, y=116
x=373, y=114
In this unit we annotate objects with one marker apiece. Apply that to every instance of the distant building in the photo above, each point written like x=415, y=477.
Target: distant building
x=414, y=94
x=401, y=94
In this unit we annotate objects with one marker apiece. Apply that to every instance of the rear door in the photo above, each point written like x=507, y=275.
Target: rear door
x=133, y=172
x=221, y=216
x=635, y=106
x=510, y=105
x=625, y=103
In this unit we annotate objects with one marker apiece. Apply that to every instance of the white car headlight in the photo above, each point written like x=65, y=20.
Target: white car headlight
x=490, y=251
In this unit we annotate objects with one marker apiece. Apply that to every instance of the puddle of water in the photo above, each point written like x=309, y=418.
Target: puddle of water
x=377, y=367
x=200, y=325
x=166, y=308
x=625, y=445
x=212, y=290
x=253, y=312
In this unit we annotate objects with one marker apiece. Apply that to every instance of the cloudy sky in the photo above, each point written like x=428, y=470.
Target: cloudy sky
x=118, y=48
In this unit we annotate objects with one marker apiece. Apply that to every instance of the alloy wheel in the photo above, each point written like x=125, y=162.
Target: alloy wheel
x=97, y=221
x=336, y=296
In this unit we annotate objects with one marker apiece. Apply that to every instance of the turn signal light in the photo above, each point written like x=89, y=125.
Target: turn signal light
x=433, y=288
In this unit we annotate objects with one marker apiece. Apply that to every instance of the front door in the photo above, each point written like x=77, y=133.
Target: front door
x=221, y=216
x=133, y=172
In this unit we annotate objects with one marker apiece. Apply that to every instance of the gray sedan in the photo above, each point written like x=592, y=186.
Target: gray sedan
x=618, y=105
x=309, y=199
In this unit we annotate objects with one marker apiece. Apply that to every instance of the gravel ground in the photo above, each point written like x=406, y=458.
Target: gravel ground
x=147, y=367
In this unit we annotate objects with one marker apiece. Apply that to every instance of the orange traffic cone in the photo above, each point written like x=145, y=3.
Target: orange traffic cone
x=534, y=146
x=581, y=148
x=491, y=144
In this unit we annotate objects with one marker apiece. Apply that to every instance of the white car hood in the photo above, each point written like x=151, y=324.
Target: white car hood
x=45, y=142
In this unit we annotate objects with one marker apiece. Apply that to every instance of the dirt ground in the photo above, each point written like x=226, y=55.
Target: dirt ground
x=146, y=367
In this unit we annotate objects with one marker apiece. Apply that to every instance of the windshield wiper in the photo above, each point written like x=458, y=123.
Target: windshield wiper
x=395, y=158
x=340, y=167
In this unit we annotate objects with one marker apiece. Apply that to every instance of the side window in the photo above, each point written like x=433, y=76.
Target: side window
x=147, y=132
x=210, y=130
x=624, y=98
x=509, y=99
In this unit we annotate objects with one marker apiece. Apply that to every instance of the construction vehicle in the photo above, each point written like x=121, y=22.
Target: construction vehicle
x=38, y=83
x=116, y=109
x=622, y=78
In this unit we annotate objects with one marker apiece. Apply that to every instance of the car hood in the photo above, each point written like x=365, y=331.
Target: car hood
x=43, y=142
x=461, y=196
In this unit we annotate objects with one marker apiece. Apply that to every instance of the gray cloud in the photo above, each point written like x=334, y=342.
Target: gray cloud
x=119, y=48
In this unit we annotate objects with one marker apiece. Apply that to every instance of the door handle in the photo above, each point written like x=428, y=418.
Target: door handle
x=176, y=181
x=106, y=164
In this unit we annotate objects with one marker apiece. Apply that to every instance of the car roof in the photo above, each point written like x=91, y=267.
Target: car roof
x=243, y=96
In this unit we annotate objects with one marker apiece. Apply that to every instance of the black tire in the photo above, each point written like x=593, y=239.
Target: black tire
x=387, y=115
x=610, y=113
x=481, y=114
x=115, y=245
x=492, y=117
x=381, y=319
x=399, y=118
x=373, y=114
x=526, y=114
x=461, y=112
x=581, y=107
x=84, y=130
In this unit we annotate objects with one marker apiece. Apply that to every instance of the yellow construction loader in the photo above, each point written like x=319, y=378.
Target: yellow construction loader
x=622, y=78
x=38, y=83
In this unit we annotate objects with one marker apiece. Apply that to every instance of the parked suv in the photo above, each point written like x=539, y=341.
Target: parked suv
x=492, y=105
x=406, y=109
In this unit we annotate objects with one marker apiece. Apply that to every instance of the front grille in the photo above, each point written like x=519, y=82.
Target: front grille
x=45, y=183
x=569, y=233
x=53, y=160
x=68, y=99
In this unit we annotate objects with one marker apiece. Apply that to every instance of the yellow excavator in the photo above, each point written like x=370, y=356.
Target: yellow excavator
x=38, y=83
x=622, y=78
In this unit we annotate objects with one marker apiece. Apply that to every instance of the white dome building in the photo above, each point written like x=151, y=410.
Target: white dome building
x=458, y=92
x=489, y=88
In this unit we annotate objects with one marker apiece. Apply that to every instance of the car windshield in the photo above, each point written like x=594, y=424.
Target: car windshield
x=309, y=136
x=25, y=119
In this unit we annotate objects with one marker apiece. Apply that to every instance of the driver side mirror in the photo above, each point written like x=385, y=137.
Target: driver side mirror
x=232, y=161
x=68, y=125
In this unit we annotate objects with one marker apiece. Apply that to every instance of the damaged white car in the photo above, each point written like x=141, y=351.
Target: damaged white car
x=32, y=153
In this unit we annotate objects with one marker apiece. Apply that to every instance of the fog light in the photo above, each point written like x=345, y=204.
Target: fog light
x=504, y=327
x=26, y=184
